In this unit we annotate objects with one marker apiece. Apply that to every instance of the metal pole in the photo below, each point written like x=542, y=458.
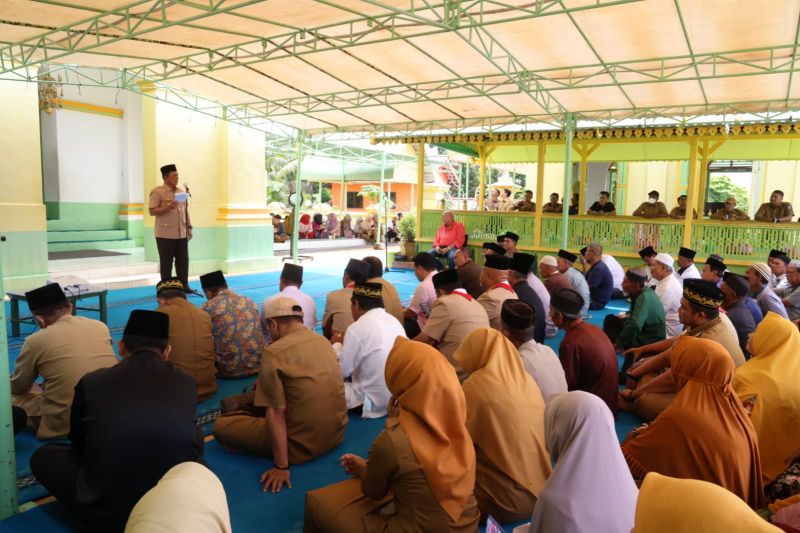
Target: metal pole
x=568, y=130
x=420, y=186
x=297, y=197
x=537, y=224
x=8, y=466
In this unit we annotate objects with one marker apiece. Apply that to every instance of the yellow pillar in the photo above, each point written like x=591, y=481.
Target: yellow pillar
x=691, y=196
x=702, y=178
x=482, y=182
x=420, y=185
x=537, y=224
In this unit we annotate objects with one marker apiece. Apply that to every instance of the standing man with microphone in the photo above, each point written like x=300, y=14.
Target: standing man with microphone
x=173, y=227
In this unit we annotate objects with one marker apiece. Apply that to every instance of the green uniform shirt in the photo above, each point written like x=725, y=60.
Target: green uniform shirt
x=645, y=323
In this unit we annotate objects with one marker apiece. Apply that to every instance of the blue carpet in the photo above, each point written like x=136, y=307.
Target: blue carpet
x=250, y=509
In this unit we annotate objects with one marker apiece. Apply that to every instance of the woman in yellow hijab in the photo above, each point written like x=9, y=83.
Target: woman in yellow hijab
x=769, y=385
x=423, y=462
x=670, y=505
x=505, y=417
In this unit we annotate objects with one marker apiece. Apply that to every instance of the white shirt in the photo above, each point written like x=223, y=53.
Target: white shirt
x=367, y=343
x=423, y=299
x=670, y=292
x=691, y=272
x=541, y=291
x=617, y=272
x=303, y=300
x=542, y=363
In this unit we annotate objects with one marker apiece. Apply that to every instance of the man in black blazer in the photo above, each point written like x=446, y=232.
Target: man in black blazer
x=518, y=278
x=129, y=424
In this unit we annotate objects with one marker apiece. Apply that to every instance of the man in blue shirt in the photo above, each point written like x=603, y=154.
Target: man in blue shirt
x=598, y=277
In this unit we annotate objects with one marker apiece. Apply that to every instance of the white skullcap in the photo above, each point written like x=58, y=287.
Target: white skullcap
x=795, y=263
x=549, y=260
x=665, y=259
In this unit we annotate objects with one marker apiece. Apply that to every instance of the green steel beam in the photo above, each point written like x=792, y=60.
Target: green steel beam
x=105, y=28
x=393, y=25
x=689, y=46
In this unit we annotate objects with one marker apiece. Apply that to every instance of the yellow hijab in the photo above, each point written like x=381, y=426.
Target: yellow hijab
x=505, y=408
x=433, y=415
x=770, y=381
x=670, y=505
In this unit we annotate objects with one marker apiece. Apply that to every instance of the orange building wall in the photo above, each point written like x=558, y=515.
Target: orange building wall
x=403, y=191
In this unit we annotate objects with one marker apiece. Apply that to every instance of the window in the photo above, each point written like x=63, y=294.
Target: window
x=354, y=201
x=393, y=197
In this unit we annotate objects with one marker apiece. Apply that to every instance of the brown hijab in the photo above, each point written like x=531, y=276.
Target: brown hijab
x=433, y=414
x=505, y=408
x=705, y=434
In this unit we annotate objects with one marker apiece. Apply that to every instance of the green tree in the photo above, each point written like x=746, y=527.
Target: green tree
x=721, y=187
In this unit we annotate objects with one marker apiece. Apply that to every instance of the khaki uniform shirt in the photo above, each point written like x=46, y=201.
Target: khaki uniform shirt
x=767, y=212
x=721, y=330
x=737, y=214
x=492, y=301
x=550, y=208
x=680, y=212
x=62, y=354
x=453, y=317
x=172, y=224
x=192, y=344
x=648, y=209
x=391, y=299
x=300, y=372
x=337, y=310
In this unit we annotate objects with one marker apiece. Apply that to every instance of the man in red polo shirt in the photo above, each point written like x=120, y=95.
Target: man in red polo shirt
x=449, y=239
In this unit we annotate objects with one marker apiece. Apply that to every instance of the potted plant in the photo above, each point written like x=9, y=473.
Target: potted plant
x=407, y=228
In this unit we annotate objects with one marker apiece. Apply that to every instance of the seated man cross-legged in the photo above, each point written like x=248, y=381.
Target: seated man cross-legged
x=300, y=387
x=449, y=239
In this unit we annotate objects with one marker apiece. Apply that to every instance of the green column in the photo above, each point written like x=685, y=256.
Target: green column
x=298, y=204
x=8, y=463
x=569, y=127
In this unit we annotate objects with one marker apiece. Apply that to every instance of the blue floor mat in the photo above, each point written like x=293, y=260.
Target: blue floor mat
x=250, y=508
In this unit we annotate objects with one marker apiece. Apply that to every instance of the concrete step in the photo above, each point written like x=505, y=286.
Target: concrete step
x=87, y=235
x=90, y=245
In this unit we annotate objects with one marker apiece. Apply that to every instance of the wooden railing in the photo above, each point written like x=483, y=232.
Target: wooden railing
x=744, y=241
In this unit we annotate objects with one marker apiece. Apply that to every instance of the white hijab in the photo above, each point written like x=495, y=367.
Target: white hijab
x=591, y=489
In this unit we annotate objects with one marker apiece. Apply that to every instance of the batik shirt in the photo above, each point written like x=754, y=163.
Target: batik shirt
x=238, y=338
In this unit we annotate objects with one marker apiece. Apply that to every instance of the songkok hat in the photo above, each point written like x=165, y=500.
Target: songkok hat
x=501, y=238
x=775, y=253
x=738, y=284
x=171, y=284
x=522, y=263
x=166, y=169
x=513, y=236
x=665, y=259
x=583, y=250
x=212, y=280
x=445, y=277
x=549, y=260
x=493, y=246
x=648, y=251
x=636, y=275
x=150, y=324
x=292, y=272
x=357, y=269
x=763, y=270
x=45, y=297
x=716, y=264
x=500, y=262
x=717, y=257
x=370, y=291
x=569, y=256
x=516, y=314
x=567, y=301
x=687, y=253
x=702, y=293
x=283, y=306
x=785, y=258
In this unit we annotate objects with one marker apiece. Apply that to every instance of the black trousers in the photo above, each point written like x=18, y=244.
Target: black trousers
x=177, y=250
x=56, y=467
x=19, y=417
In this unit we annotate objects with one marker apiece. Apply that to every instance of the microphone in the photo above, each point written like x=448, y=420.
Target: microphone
x=186, y=186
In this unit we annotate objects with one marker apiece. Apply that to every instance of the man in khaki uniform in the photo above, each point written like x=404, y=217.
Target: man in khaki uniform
x=338, y=316
x=679, y=211
x=454, y=315
x=190, y=335
x=494, y=279
x=64, y=350
x=391, y=298
x=776, y=210
x=173, y=228
x=300, y=386
x=652, y=208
